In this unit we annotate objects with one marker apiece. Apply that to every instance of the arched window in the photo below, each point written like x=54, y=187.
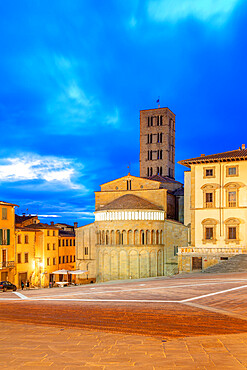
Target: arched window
x=160, y=171
x=151, y=171
x=142, y=237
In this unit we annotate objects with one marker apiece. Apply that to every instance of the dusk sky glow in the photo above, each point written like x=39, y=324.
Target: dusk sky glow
x=76, y=73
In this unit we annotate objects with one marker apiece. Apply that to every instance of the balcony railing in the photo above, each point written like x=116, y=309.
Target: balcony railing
x=7, y=264
x=211, y=251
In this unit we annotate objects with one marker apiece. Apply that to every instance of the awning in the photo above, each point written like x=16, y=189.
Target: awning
x=61, y=272
x=77, y=272
x=65, y=272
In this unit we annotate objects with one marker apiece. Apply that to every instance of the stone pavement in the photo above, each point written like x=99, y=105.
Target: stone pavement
x=32, y=346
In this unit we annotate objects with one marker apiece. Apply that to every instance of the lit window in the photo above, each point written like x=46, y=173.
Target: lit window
x=48, y=232
x=54, y=246
x=209, y=200
x=232, y=171
x=54, y=260
x=232, y=199
x=60, y=259
x=19, y=257
x=209, y=172
x=48, y=261
x=26, y=239
x=19, y=239
x=48, y=246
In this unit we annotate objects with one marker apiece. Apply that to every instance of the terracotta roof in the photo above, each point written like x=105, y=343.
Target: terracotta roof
x=20, y=219
x=130, y=201
x=163, y=179
x=233, y=155
x=7, y=204
x=66, y=233
x=40, y=226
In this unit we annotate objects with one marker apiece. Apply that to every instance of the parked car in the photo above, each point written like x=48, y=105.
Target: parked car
x=6, y=285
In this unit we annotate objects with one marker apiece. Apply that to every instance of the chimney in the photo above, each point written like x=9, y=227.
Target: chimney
x=243, y=146
x=75, y=225
x=52, y=223
x=202, y=155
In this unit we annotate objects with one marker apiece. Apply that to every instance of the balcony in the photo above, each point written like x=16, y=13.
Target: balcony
x=7, y=264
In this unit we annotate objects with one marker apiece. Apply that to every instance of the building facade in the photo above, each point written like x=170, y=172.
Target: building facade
x=157, y=142
x=215, y=209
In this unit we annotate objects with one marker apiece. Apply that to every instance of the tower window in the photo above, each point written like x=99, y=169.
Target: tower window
x=148, y=121
x=161, y=154
x=151, y=121
x=161, y=120
x=128, y=184
x=160, y=171
x=150, y=155
x=147, y=138
x=150, y=138
x=148, y=172
x=157, y=170
x=158, y=121
x=151, y=171
x=160, y=137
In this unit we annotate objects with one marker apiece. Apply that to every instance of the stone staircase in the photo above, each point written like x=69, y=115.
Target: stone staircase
x=236, y=263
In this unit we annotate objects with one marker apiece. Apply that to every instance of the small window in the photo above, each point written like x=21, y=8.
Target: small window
x=26, y=257
x=60, y=259
x=4, y=213
x=59, y=242
x=158, y=121
x=232, y=171
x=223, y=258
x=86, y=250
x=63, y=242
x=54, y=232
x=232, y=233
x=63, y=259
x=19, y=239
x=48, y=232
x=74, y=258
x=48, y=246
x=19, y=257
x=161, y=120
x=161, y=137
x=48, y=261
x=54, y=260
x=74, y=242
x=161, y=153
x=67, y=259
x=208, y=172
x=160, y=171
x=71, y=258
x=151, y=171
x=150, y=138
x=54, y=246
x=26, y=239
x=71, y=242
x=67, y=242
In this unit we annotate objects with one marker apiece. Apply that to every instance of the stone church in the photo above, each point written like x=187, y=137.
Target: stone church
x=138, y=224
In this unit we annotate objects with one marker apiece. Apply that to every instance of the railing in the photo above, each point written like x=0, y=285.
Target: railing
x=232, y=204
x=209, y=204
x=211, y=250
x=7, y=264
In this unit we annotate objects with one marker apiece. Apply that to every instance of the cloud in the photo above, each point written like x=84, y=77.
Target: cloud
x=47, y=169
x=175, y=10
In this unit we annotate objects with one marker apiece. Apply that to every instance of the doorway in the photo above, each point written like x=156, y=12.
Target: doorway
x=196, y=263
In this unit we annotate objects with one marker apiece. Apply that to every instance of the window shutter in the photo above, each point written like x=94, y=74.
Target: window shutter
x=8, y=236
x=1, y=237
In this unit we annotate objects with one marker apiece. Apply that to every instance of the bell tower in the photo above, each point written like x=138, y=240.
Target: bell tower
x=157, y=142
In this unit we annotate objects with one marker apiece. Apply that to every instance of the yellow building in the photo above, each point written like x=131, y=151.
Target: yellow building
x=7, y=240
x=215, y=208
x=66, y=244
x=135, y=233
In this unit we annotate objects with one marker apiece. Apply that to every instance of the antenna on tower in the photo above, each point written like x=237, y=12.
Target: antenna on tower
x=158, y=101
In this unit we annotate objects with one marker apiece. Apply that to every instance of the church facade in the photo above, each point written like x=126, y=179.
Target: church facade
x=134, y=234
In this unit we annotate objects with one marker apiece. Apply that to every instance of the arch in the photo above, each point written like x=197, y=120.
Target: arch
x=124, y=237
x=107, y=237
x=148, y=237
x=234, y=185
x=161, y=237
x=130, y=237
x=160, y=262
x=153, y=238
x=211, y=186
x=123, y=264
x=103, y=237
x=112, y=239
x=114, y=265
x=118, y=237
x=209, y=221
x=232, y=221
x=133, y=264
x=142, y=237
x=144, y=264
x=153, y=262
x=136, y=238
x=157, y=236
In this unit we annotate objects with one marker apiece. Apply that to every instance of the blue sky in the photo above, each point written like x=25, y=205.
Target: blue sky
x=74, y=75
